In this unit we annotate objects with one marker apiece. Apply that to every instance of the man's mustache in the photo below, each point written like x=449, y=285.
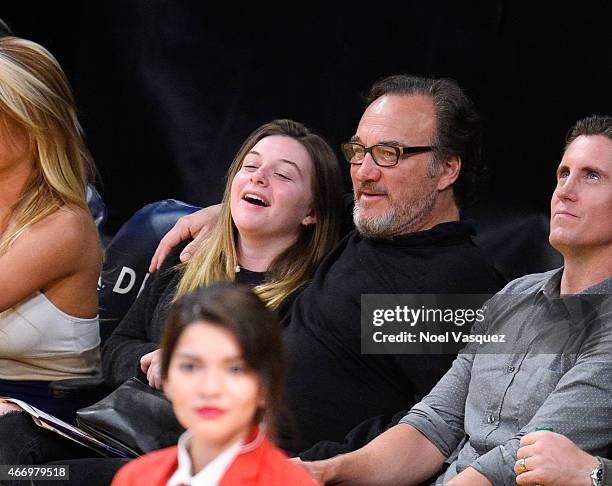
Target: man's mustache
x=369, y=187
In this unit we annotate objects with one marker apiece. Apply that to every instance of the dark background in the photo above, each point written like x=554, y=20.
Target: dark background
x=167, y=89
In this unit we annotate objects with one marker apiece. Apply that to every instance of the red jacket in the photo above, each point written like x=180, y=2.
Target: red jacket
x=265, y=465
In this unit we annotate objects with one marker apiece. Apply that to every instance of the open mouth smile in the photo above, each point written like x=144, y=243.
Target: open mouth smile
x=255, y=199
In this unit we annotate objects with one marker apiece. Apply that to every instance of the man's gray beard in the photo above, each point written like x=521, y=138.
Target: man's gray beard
x=396, y=221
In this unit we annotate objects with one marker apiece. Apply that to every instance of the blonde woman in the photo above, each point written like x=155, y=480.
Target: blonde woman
x=279, y=218
x=50, y=254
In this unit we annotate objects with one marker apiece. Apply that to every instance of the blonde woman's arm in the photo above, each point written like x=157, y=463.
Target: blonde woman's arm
x=60, y=255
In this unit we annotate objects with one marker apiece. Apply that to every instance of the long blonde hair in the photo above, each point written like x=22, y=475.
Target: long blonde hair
x=217, y=257
x=36, y=96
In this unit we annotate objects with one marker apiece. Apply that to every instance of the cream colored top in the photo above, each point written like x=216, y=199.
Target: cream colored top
x=38, y=341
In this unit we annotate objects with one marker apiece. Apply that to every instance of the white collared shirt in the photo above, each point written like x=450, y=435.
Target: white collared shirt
x=211, y=474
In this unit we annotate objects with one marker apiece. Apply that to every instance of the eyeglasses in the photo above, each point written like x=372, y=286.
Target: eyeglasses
x=382, y=154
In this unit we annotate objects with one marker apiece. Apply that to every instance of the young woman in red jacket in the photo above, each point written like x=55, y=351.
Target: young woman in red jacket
x=222, y=368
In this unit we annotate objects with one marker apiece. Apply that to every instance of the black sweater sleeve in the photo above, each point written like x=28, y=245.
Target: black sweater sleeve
x=355, y=439
x=139, y=331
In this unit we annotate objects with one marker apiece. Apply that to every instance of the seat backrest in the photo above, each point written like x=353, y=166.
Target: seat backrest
x=5, y=30
x=96, y=207
x=127, y=259
x=515, y=239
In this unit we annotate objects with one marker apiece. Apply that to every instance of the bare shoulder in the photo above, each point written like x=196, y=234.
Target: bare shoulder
x=73, y=218
x=70, y=231
x=71, y=221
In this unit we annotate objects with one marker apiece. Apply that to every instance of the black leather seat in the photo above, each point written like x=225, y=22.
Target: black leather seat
x=515, y=239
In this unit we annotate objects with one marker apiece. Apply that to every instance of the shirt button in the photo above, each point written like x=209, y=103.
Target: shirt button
x=510, y=369
x=491, y=419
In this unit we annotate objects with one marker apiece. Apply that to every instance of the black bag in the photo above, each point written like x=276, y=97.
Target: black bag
x=135, y=418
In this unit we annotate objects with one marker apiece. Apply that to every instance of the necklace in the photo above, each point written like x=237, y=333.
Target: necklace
x=238, y=268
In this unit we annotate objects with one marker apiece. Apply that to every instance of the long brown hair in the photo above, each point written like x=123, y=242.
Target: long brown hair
x=217, y=257
x=257, y=330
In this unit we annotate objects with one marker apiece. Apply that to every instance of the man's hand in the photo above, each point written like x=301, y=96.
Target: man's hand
x=150, y=364
x=320, y=470
x=379, y=464
x=554, y=460
x=197, y=225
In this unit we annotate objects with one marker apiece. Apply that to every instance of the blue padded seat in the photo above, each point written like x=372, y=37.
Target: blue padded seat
x=96, y=206
x=128, y=255
x=124, y=272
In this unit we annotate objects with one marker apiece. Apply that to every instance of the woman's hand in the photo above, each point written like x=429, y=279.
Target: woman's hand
x=6, y=407
x=150, y=364
x=553, y=460
x=197, y=225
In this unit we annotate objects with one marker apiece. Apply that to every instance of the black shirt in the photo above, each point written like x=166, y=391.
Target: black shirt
x=331, y=386
x=140, y=330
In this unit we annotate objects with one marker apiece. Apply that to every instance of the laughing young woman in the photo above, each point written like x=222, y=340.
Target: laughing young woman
x=279, y=218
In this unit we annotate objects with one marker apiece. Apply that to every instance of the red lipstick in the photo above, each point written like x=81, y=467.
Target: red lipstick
x=210, y=412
